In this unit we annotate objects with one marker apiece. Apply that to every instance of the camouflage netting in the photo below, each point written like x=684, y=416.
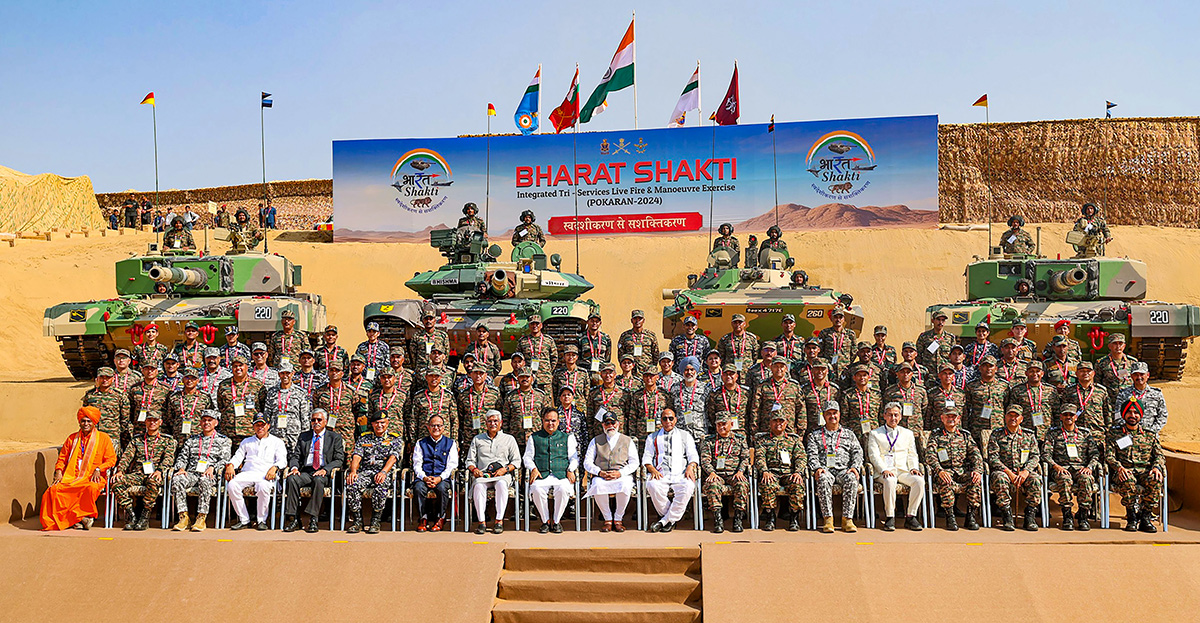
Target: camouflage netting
x=1137, y=171
x=42, y=202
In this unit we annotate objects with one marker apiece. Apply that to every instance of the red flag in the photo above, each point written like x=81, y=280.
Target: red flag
x=567, y=113
x=728, y=112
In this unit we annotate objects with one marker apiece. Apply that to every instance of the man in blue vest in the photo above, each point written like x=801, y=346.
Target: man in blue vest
x=551, y=456
x=435, y=458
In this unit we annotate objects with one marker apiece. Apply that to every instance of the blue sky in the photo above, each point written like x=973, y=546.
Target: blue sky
x=75, y=72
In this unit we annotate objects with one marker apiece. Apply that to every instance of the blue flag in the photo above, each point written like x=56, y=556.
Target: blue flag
x=527, y=111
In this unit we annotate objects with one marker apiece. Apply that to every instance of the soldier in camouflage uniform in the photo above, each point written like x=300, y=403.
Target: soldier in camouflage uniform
x=527, y=231
x=541, y=354
x=667, y=378
x=644, y=407
x=371, y=465
x=259, y=368
x=1037, y=400
x=739, y=346
x=286, y=345
x=437, y=360
x=861, y=407
x=724, y=461
x=177, y=237
x=233, y=347
x=728, y=242
x=1153, y=403
x=732, y=398
x=473, y=404
x=779, y=395
x=170, y=376
x=1026, y=348
x=837, y=342
x=820, y=393
x=508, y=382
x=308, y=377
x=337, y=400
x=523, y=407
x=126, y=376
x=862, y=358
x=376, y=353
x=1115, y=370
x=1090, y=399
x=883, y=355
x=471, y=219
x=1074, y=455
x=929, y=355
x=287, y=407
x=981, y=347
x=692, y=343
x=689, y=398
x=424, y=341
x=595, y=347
x=191, y=351
x=985, y=401
x=147, y=397
x=802, y=368
x=150, y=351
x=143, y=464
x=1136, y=466
x=788, y=344
x=1015, y=461
x=184, y=407
x=201, y=459
x=607, y=396
x=1009, y=367
x=834, y=457
x=920, y=374
x=571, y=375
x=780, y=462
x=405, y=377
x=957, y=468
x=1060, y=370
x=329, y=350
x=1095, y=229
x=571, y=419
x=1016, y=241
x=433, y=399
x=113, y=406
x=485, y=351
x=239, y=399
x=1062, y=329
x=639, y=343
x=760, y=372
x=944, y=395
x=913, y=401
x=212, y=373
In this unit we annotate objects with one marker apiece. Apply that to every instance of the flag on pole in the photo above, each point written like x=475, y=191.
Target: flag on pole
x=266, y=103
x=567, y=113
x=618, y=76
x=689, y=100
x=771, y=126
x=526, y=116
x=982, y=101
x=491, y=110
x=728, y=112
x=149, y=99
x=1108, y=106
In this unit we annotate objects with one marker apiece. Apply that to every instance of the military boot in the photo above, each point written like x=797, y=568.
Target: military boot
x=718, y=520
x=201, y=522
x=826, y=525
x=951, y=521
x=143, y=521
x=737, y=521
x=1131, y=518
x=376, y=518
x=1068, y=520
x=131, y=520
x=794, y=524
x=1031, y=513
x=768, y=520
x=1006, y=519
x=971, y=523
x=1147, y=523
x=355, y=523
x=182, y=524
x=1082, y=520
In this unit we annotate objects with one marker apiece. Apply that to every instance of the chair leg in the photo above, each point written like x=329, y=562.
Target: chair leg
x=525, y=497
x=453, y=501
x=1165, y=510
x=578, y=508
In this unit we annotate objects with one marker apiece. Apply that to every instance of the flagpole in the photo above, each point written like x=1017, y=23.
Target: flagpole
x=633, y=23
x=487, y=185
x=699, y=101
x=712, y=186
x=539, y=97
x=774, y=170
x=262, y=126
x=154, y=121
x=575, y=166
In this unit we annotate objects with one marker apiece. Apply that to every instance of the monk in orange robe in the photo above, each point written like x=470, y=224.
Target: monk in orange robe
x=79, y=475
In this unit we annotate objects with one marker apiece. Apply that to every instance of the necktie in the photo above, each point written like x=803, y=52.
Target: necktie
x=316, y=452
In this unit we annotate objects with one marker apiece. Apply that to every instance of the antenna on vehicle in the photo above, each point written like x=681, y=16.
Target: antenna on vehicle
x=206, y=242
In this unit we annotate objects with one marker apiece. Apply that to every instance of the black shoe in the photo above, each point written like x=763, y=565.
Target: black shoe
x=376, y=519
x=718, y=520
x=951, y=522
x=889, y=524
x=768, y=521
x=241, y=525
x=1147, y=524
x=498, y=528
x=1006, y=518
x=657, y=527
x=1082, y=516
x=911, y=523
x=971, y=522
x=1031, y=513
x=261, y=526
x=293, y=525
x=737, y=521
x=794, y=525
x=669, y=526
x=355, y=524
x=556, y=527
x=480, y=529
x=131, y=521
x=544, y=529
x=1068, y=521
x=312, y=526
x=1131, y=519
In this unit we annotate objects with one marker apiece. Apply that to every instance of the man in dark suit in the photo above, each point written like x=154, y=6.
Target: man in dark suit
x=317, y=453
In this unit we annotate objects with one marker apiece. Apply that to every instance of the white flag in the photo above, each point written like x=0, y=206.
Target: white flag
x=689, y=100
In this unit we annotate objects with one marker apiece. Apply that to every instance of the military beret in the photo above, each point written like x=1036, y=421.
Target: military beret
x=1061, y=323
x=106, y=371
x=1085, y=365
x=212, y=413
x=939, y=314
x=231, y=330
x=788, y=318
x=689, y=319
x=374, y=326
x=287, y=313
x=832, y=405
x=192, y=372
x=436, y=371
x=666, y=354
x=121, y=352
x=212, y=352
x=608, y=366
x=729, y=367
x=191, y=325
x=725, y=416
x=1008, y=341
x=241, y=359
x=738, y=317
x=880, y=329
x=637, y=313
x=357, y=358
x=1033, y=363
x=1140, y=367
x=1116, y=337
x=908, y=345
x=333, y=328
x=257, y=347
x=1015, y=408
x=988, y=360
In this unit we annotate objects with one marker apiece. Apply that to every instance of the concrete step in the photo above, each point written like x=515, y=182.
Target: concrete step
x=676, y=561
x=607, y=588
x=575, y=612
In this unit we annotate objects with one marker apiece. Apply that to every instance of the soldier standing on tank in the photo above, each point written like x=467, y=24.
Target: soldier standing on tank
x=692, y=343
x=178, y=238
x=639, y=342
x=774, y=241
x=113, y=405
x=837, y=342
x=243, y=233
x=1016, y=241
x=1114, y=370
x=595, y=347
x=470, y=219
x=725, y=461
x=329, y=350
x=527, y=231
x=727, y=242
x=1095, y=228
x=739, y=347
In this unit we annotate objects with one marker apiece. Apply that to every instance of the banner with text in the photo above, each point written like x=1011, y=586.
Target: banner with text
x=878, y=172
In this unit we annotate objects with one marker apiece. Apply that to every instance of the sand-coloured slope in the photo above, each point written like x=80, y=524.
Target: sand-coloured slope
x=42, y=202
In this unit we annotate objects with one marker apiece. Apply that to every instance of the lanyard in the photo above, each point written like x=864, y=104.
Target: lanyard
x=189, y=412
x=146, y=446
x=1029, y=394
x=646, y=403
x=596, y=344
x=284, y=395
x=691, y=400
x=336, y=405
x=285, y=341
x=737, y=403
x=717, y=446
x=837, y=442
x=606, y=396
x=471, y=401
x=904, y=394
x=828, y=394
x=978, y=353
x=481, y=352
x=892, y=441
x=147, y=397
x=789, y=346
x=371, y=346
x=233, y=389
x=879, y=359
x=864, y=404
x=775, y=389
x=838, y=338
x=330, y=355
x=520, y=399
x=741, y=341
x=568, y=416
x=690, y=346
x=212, y=443
x=1074, y=437
x=1083, y=403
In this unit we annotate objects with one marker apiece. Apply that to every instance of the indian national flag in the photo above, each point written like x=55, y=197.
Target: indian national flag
x=618, y=76
x=689, y=100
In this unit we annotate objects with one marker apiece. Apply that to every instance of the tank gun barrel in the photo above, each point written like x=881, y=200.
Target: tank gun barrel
x=669, y=294
x=1063, y=280
x=187, y=277
x=499, y=283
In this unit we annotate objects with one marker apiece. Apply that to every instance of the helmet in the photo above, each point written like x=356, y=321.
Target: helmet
x=1084, y=209
x=178, y=220
x=774, y=231
x=470, y=206
x=528, y=213
x=240, y=213
x=1016, y=218
x=725, y=229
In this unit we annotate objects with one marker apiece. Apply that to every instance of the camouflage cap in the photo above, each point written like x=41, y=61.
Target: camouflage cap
x=384, y=371
x=628, y=357
x=666, y=355
x=212, y=352
x=945, y=366
x=1068, y=409
x=637, y=313
x=241, y=359
x=880, y=329
x=335, y=364
x=595, y=313
x=738, y=318
x=788, y=318
x=170, y=356
x=571, y=348
x=1015, y=408
x=729, y=367
x=257, y=347
x=784, y=361
x=329, y=328
x=813, y=341
x=941, y=313
x=231, y=330
x=191, y=325
x=832, y=405
x=862, y=346
x=154, y=415
x=192, y=372
x=1140, y=367
x=357, y=358
x=690, y=319
x=287, y=314
x=725, y=416
x=860, y=367
x=1116, y=337
x=778, y=415
x=1058, y=340
x=121, y=352
x=212, y=413
x=768, y=346
x=428, y=313
x=436, y=371
x=1034, y=363
x=904, y=365
x=285, y=366
x=820, y=363
x=1019, y=322
x=908, y=346
x=534, y=319
x=955, y=347
x=1008, y=341
x=1085, y=365
x=149, y=363
x=649, y=372
x=988, y=360
x=955, y=410
x=479, y=367
x=374, y=326
x=837, y=311
x=608, y=366
x=106, y=371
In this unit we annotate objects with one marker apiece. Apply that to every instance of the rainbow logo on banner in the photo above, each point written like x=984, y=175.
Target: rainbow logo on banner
x=840, y=142
x=416, y=155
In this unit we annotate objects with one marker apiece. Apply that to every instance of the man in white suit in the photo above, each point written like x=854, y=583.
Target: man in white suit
x=671, y=464
x=892, y=450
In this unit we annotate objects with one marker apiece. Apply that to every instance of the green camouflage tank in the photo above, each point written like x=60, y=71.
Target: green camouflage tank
x=1100, y=296
x=173, y=287
x=474, y=286
x=763, y=292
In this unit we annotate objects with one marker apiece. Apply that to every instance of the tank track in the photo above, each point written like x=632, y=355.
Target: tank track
x=84, y=355
x=1166, y=357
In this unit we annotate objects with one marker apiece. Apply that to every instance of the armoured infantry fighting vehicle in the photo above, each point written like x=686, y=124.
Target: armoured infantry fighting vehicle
x=475, y=286
x=171, y=288
x=1100, y=296
x=763, y=293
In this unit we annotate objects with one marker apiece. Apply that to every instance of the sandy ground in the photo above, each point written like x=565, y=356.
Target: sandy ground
x=892, y=273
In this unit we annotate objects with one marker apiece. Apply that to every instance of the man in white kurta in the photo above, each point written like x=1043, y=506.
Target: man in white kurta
x=892, y=450
x=260, y=457
x=551, y=457
x=671, y=464
x=611, y=459
x=492, y=459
